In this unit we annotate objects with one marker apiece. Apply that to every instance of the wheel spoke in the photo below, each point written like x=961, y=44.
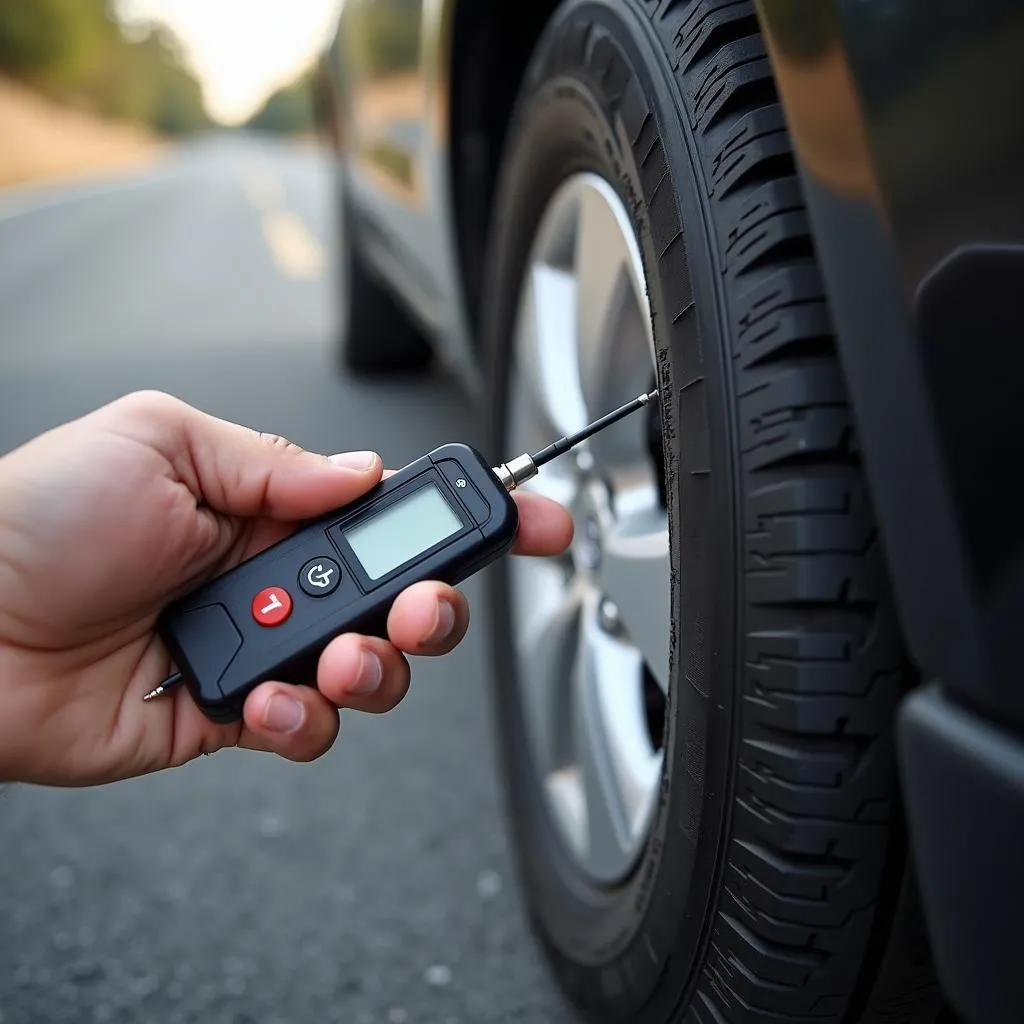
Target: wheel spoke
x=612, y=747
x=584, y=345
x=612, y=314
x=548, y=619
x=635, y=573
x=545, y=349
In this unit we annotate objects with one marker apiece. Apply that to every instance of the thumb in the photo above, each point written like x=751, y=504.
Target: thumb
x=241, y=472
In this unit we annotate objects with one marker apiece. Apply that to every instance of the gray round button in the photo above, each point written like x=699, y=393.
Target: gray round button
x=320, y=577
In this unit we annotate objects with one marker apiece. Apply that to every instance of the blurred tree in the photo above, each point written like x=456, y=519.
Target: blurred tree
x=144, y=77
x=77, y=51
x=292, y=109
x=52, y=43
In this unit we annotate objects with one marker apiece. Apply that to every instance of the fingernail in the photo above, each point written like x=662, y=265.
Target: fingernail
x=283, y=714
x=361, y=461
x=444, y=623
x=371, y=674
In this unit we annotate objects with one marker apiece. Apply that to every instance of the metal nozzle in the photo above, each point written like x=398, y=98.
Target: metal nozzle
x=525, y=467
x=170, y=684
x=516, y=471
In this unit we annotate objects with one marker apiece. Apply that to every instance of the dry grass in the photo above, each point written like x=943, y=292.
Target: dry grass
x=41, y=140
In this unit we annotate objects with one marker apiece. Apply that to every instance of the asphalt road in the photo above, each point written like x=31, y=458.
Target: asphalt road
x=373, y=886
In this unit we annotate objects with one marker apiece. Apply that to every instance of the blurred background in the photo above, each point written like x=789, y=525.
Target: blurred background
x=91, y=83
x=168, y=219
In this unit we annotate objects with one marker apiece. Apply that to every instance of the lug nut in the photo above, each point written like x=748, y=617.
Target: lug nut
x=608, y=616
x=588, y=545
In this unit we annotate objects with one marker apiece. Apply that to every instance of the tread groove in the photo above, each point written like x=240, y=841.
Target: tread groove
x=817, y=700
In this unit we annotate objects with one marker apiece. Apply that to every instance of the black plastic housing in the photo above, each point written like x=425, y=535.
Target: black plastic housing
x=221, y=650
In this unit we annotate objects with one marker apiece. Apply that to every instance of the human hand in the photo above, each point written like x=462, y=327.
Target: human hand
x=105, y=520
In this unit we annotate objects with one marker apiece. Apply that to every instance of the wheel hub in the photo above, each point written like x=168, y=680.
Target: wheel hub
x=590, y=510
x=588, y=546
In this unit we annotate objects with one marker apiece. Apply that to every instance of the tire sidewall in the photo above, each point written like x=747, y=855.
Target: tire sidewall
x=620, y=944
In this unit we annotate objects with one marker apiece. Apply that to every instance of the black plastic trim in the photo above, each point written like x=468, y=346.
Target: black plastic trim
x=964, y=784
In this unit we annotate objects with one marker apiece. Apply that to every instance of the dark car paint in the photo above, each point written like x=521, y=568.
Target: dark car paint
x=907, y=116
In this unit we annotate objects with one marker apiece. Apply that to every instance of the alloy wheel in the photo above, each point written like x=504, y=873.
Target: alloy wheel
x=591, y=630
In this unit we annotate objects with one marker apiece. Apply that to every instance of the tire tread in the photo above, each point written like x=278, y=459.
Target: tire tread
x=823, y=668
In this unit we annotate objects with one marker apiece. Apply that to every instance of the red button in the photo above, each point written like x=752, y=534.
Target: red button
x=272, y=606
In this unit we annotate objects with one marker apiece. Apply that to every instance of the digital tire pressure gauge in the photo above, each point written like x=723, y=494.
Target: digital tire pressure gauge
x=444, y=517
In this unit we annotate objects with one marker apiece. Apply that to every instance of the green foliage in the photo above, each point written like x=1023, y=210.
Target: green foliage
x=76, y=50
x=291, y=109
x=51, y=42
x=145, y=79
x=32, y=35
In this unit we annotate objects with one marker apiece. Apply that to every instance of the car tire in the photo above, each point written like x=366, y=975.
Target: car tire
x=375, y=336
x=774, y=883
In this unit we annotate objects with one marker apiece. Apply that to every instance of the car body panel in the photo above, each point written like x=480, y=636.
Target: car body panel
x=906, y=119
x=914, y=174
x=389, y=62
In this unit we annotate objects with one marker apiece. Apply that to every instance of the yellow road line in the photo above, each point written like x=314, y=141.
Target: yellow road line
x=297, y=253
x=295, y=250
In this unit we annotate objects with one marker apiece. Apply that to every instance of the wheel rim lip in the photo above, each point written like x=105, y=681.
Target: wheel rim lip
x=549, y=249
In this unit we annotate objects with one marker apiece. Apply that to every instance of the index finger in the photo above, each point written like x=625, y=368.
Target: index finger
x=545, y=527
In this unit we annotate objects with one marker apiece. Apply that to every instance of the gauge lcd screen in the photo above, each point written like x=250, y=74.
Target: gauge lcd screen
x=409, y=527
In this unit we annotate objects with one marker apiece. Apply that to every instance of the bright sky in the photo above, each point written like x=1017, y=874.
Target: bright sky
x=242, y=50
